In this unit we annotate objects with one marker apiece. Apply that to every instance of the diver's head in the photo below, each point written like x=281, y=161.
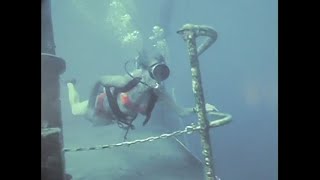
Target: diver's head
x=156, y=65
x=158, y=70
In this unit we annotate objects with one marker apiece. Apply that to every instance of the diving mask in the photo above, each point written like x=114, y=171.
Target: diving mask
x=159, y=71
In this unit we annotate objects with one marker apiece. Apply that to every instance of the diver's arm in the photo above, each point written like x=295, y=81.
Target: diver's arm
x=114, y=80
x=181, y=111
x=118, y=80
x=165, y=98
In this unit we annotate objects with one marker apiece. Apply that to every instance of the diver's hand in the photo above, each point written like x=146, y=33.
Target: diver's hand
x=189, y=111
x=211, y=108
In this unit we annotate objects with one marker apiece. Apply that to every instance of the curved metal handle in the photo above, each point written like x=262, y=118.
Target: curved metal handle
x=189, y=30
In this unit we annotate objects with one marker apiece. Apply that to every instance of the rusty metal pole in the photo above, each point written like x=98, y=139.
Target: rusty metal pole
x=52, y=157
x=190, y=32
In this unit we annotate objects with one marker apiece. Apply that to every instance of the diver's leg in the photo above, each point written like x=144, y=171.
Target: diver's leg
x=77, y=107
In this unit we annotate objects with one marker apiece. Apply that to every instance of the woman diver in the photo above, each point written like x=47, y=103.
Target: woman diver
x=120, y=98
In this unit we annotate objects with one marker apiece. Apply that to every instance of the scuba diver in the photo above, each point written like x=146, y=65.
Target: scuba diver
x=120, y=98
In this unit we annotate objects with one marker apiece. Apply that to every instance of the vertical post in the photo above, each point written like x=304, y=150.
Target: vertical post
x=52, y=157
x=47, y=39
x=190, y=33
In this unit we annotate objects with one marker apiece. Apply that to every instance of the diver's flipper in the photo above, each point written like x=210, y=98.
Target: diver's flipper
x=72, y=81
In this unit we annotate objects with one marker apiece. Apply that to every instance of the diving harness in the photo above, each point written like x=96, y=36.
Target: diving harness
x=124, y=120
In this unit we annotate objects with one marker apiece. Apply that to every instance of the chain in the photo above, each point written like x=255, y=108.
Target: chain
x=188, y=129
x=226, y=118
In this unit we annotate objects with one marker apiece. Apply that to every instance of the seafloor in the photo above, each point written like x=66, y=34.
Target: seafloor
x=163, y=159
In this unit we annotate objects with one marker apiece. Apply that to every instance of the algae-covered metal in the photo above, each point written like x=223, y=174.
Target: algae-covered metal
x=190, y=32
